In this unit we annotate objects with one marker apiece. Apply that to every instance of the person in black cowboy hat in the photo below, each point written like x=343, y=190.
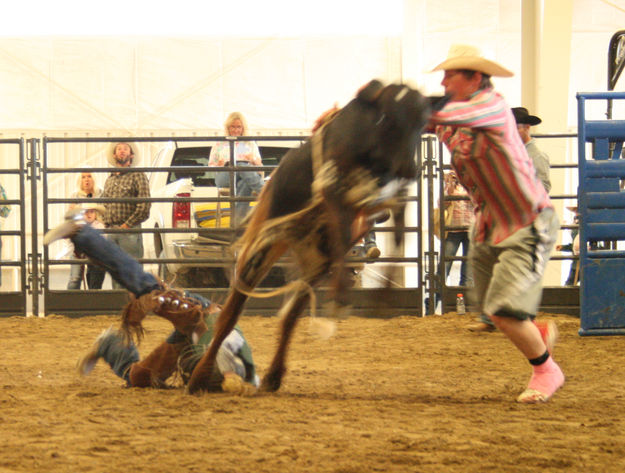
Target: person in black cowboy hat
x=541, y=161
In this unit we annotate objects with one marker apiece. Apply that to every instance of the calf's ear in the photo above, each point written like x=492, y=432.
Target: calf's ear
x=369, y=92
x=438, y=101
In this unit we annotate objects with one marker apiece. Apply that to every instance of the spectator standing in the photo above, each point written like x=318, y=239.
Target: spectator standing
x=246, y=153
x=95, y=273
x=126, y=183
x=462, y=215
x=87, y=188
x=540, y=159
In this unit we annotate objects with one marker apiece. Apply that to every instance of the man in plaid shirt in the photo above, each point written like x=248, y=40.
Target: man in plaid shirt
x=124, y=183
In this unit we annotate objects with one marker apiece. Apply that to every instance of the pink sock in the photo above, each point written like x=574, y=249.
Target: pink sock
x=547, y=378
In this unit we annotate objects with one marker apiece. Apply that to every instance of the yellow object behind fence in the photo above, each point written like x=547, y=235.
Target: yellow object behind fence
x=212, y=214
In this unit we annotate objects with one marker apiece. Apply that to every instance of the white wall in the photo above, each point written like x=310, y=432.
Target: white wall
x=125, y=85
x=135, y=84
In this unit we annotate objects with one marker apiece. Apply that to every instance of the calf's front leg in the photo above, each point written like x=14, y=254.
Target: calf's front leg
x=205, y=377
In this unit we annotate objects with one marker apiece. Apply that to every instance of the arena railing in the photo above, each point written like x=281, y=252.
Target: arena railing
x=415, y=265
x=366, y=300
x=557, y=298
x=15, y=264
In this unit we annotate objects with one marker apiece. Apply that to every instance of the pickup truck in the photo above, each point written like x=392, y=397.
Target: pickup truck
x=212, y=219
x=215, y=234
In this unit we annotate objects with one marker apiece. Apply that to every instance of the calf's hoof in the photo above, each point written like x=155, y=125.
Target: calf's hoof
x=203, y=382
x=271, y=382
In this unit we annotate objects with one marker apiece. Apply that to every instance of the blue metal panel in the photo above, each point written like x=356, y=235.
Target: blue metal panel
x=605, y=254
x=605, y=231
x=612, y=129
x=601, y=148
x=605, y=200
x=601, y=185
x=606, y=215
x=604, y=297
x=601, y=206
x=611, y=168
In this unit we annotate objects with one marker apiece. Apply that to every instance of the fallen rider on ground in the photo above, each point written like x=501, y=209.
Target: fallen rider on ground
x=191, y=314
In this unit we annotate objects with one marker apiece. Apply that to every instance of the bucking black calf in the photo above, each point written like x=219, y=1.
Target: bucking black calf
x=320, y=200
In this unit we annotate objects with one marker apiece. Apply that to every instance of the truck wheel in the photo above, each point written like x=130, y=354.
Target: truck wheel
x=202, y=277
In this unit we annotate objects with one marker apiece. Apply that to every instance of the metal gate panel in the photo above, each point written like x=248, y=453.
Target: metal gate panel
x=14, y=301
x=365, y=301
x=555, y=299
x=601, y=206
x=425, y=257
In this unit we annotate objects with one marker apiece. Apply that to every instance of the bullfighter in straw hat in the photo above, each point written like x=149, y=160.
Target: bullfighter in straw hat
x=516, y=224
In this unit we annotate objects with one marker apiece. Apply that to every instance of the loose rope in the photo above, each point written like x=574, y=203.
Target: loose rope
x=324, y=173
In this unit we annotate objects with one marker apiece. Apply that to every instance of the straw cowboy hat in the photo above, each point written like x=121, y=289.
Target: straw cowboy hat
x=110, y=150
x=89, y=206
x=523, y=117
x=463, y=56
x=99, y=208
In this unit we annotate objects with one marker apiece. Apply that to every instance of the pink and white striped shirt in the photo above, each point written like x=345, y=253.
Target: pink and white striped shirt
x=492, y=164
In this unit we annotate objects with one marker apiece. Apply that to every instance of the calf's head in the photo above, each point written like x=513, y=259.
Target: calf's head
x=380, y=130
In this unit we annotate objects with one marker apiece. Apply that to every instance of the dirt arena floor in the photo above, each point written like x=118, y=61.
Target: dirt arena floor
x=392, y=395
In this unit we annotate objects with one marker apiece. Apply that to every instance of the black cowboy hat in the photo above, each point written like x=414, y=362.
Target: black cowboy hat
x=523, y=117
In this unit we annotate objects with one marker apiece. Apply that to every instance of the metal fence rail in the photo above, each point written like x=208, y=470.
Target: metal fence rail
x=418, y=266
x=558, y=299
x=365, y=301
x=14, y=302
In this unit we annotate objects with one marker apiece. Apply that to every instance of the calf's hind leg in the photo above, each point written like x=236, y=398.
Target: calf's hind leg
x=293, y=308
x=314, y=264
x=253, y=270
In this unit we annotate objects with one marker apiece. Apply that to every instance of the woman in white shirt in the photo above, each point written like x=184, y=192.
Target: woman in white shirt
x=246, y=153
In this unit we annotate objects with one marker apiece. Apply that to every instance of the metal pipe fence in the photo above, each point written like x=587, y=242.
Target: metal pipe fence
x=418, y=267
x=14, y=293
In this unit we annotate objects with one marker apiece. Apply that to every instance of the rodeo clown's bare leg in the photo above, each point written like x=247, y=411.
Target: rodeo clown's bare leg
x=189, y=313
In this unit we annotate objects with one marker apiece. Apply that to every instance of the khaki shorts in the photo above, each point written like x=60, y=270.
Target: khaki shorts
x=508, y=276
